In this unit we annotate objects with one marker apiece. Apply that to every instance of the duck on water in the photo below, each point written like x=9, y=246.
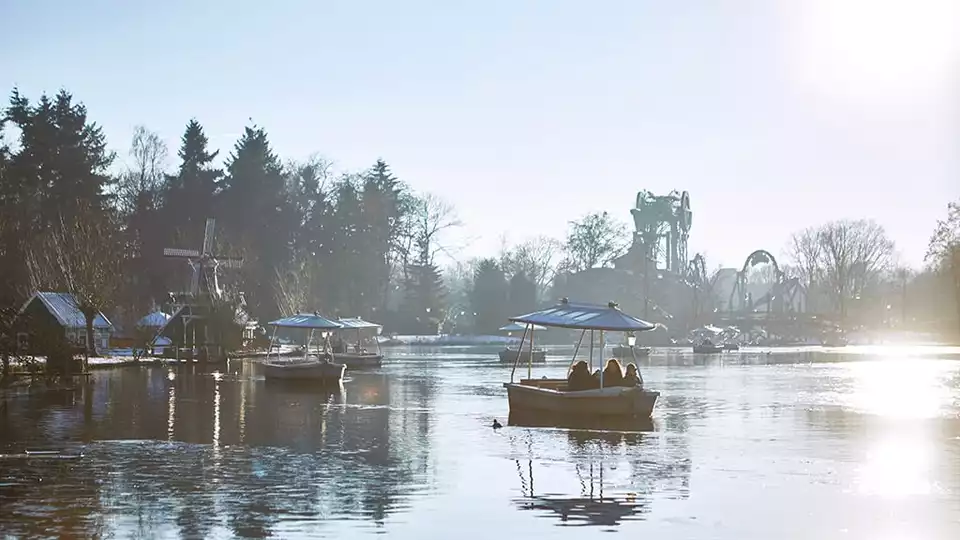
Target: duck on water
x=610, y=397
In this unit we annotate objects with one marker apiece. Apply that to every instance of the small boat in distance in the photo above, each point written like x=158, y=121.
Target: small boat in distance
x=625, y=352
x=537, y=355
x=357, y=355
x=553, y=396
x=706, y=347
x=317, y=366
x=729, y=346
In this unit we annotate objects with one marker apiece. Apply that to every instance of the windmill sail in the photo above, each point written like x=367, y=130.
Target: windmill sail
x=177, y=252
x=208, y=237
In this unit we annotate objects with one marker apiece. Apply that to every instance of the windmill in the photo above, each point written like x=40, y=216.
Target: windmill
x=204, y=264
x=195, y=305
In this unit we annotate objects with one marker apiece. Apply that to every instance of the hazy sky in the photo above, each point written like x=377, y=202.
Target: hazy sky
x=527, y=114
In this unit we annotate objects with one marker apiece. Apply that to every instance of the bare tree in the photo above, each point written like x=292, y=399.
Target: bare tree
x=595, y=240
x=431, y=217
x=537, y=258
x=81, y=258
x=139, y=185
x=805, y=254
x=943, y=252
x=855, y=255
x=293, y=287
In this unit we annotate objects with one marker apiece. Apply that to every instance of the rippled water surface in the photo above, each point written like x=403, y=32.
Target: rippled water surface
x=793, y=444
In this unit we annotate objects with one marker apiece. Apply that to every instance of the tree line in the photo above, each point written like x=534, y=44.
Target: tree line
x=352, y=244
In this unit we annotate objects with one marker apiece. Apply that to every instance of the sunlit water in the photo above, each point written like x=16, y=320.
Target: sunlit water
x=745, y=445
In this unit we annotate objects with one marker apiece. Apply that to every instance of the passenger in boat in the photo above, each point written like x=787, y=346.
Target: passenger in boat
x=613, y=373
x=579, y=377
x=632, y=377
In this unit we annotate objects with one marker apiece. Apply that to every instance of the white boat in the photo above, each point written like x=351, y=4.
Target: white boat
x=628, y=353
x=552, y=396
x=357, y=355
x=313, y=366
x=509, y=354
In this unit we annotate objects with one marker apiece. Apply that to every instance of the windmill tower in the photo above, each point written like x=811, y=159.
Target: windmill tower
x=192, y=308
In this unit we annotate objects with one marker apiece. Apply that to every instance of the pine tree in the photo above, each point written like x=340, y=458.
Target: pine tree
x=488, y=299
x=62, y=161
x=258, y=217
x=382, y=211
x=189, y=195
x=523, y=294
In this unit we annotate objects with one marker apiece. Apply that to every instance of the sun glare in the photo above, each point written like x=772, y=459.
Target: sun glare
x=897, y=467
x=902, y=387
x=876, y=48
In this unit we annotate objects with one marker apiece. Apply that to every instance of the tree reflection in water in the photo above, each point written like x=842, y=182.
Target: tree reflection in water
x=197, y=453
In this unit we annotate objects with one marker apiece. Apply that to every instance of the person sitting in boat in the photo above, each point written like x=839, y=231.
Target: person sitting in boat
x=632, y=377
x=356, y=347
x=595, y=380
x=613, y=373
x=579, y=377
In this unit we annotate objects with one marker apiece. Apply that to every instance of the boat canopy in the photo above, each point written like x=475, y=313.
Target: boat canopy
x=567, y=314
x=306, y=320
x=517, y=327
x=356, y=323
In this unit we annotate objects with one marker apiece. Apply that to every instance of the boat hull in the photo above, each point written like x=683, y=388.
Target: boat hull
x=358, y=360
x=510, y=356
x=304, y=370
x=705, y=349
x=550, y=396
x=731, y=347
x=627, y=353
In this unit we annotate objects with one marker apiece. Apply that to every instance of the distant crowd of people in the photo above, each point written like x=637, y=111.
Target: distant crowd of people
x=580, y=377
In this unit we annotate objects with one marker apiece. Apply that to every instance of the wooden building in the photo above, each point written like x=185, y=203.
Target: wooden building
x=50, y=314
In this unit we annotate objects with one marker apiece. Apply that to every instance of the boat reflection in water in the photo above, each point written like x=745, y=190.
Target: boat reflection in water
x=590, y=507
x=537, y=419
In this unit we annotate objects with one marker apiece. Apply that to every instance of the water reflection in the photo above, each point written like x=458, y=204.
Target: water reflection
x=737, y=444
x=590, y=507
x=309, y=455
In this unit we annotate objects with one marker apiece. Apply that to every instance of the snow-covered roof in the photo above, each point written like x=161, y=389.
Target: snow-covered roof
x=154, y=320
x=306, y=320
x=63, y=306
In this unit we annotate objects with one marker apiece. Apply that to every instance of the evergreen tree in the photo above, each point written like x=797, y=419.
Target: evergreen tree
x=423, y=304
x=189, y=195
x=523, y=294
x=382, y=211
x=62, y=159
x=488, y=299
x=258, y=217
x=59, y=169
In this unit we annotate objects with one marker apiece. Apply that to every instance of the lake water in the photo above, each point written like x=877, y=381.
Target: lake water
x=794, y=444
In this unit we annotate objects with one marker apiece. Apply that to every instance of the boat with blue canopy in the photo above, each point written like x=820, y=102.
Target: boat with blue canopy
x=509, y=354
x=357, y=354
x=316, y=365
x=554, y=396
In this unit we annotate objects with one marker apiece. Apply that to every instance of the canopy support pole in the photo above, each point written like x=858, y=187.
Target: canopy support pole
x=306, y=347
x=601, y=359
x=530, y=355
x=577, y=348
x=591, y=351
x=273, y=339
x=517, y=361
